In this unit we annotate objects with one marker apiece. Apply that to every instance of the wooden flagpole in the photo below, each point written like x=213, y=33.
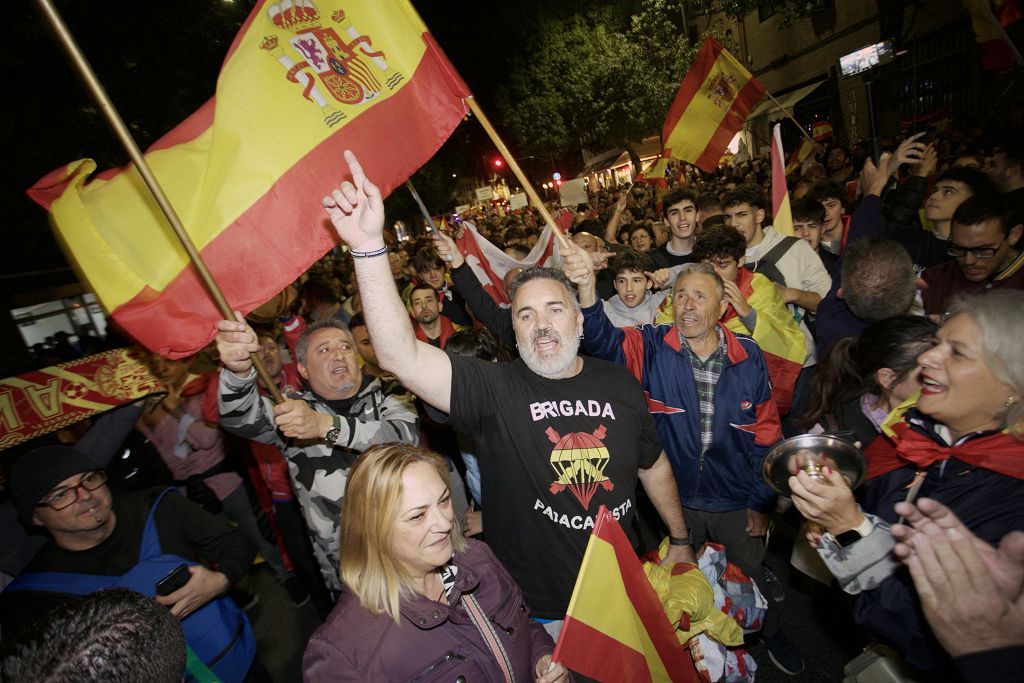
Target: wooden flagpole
x=535, y=199
x=96, y=89
x=790, y=117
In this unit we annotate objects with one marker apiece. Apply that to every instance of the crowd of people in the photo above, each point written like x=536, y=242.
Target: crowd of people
x=431, y=476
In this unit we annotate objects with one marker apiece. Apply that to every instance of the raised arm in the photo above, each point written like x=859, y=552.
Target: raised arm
x=612, y=228
x=356, y=210
x=495, y=318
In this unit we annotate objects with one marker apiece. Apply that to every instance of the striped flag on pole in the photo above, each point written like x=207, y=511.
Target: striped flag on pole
x=616, y=629
x=302, y=81
x=714, y=100
x=782, y=217
x=799, y=155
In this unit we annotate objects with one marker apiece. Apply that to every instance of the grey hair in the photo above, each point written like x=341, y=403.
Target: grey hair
x=302, y=343
x=1000, y=316
x=701, y=268
x=542, y=273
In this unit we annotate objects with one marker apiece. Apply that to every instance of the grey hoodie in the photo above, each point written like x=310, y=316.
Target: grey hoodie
x=642, y=314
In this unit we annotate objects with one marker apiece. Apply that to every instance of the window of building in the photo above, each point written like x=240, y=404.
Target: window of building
x=940, y=70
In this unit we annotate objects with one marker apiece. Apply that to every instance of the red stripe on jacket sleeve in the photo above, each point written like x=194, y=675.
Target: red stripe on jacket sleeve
x=768, y=430
x=633, y=351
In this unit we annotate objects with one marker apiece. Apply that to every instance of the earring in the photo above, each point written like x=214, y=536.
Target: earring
x=1011, y=399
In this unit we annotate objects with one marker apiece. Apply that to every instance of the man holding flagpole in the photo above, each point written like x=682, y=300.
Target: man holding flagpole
x=563, y=435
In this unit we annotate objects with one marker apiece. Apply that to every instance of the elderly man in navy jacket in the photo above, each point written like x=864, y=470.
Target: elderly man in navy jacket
x=710, y=396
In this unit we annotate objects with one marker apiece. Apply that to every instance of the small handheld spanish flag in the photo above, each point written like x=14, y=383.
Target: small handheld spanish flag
x=616, y=628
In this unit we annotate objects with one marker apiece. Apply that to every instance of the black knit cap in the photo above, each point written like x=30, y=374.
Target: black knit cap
x=36, y=473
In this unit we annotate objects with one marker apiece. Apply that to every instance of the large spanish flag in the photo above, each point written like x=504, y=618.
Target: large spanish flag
x=616, y=629
x=303, y=81
x=715, y=98
x=782, y=216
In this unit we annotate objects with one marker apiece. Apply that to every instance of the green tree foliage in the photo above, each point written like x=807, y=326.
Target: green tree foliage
x=788, y=11
x=595, y=80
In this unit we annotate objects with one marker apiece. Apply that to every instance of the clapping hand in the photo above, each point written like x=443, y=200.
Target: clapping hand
x=971, y=593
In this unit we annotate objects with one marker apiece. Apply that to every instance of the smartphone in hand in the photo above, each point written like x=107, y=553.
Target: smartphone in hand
x=173, y=581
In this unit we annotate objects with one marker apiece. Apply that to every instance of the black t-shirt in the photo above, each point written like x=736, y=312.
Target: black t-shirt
x=183, y=528
x=551, y=453
x=453, y=307
x=675, y=259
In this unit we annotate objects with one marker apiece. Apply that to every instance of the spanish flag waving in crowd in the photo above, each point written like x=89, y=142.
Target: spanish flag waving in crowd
x=302, y=81
x=616, y=628
x=714, y=100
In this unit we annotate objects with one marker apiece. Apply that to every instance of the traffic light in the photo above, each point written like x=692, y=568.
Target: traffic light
x=498, y=163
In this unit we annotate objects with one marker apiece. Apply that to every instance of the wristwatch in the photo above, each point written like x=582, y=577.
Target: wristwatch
x=851, y=536
x=334, y=432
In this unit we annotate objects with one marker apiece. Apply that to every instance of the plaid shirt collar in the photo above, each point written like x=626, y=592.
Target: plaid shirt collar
x=718, y=354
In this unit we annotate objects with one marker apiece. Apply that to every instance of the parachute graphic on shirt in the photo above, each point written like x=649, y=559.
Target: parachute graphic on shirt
x=579, y=460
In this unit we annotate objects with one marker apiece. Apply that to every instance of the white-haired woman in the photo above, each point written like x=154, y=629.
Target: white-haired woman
x=962, y=445
x=424, y=603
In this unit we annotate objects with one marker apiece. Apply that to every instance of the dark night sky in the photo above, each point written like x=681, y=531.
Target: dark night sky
x=159, y=62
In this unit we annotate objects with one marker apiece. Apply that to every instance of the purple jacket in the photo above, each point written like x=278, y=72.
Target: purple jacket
x=434, y=642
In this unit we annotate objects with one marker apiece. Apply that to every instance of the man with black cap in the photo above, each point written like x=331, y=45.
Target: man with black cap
x=135, y=542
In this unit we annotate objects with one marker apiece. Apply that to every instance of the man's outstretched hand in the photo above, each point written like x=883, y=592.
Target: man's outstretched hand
x=356, y=209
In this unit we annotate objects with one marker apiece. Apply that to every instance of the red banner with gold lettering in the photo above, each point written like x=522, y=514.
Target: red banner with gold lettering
x=43, y=401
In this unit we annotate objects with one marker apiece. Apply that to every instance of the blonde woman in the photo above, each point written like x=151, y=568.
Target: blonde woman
x=423, y=603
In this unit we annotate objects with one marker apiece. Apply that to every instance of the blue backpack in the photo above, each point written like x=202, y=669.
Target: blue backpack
x=218, y=633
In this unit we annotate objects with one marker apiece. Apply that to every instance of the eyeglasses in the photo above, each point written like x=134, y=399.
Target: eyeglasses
x=65, y=497
x=978, y=252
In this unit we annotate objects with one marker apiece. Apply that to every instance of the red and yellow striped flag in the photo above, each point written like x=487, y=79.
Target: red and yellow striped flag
x=776, y=332
x=715, y=98
x=799, y=155
x=302, y=82
x=821, y=131
x=616, y=629
x=782, y=217
x=655, y=173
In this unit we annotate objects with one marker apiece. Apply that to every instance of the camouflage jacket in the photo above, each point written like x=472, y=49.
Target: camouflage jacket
x=381, y=413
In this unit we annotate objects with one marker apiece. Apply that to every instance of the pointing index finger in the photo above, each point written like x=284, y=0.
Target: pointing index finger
x=358, y=175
